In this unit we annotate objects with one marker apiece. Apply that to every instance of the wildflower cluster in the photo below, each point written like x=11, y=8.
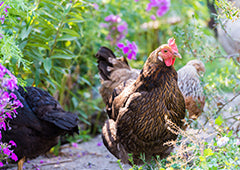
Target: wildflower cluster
x=117, y=28
x=5, y=9
x=8, y=106
x=162, y=5
x=130, y=49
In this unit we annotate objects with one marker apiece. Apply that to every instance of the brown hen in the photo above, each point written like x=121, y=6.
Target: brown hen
x=139, y=105
x=190, y=86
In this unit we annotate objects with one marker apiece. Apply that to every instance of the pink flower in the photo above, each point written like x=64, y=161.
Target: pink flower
x=99, y=144
x=5, y=9
x=153, y=17
x=1, y=164
x=116, y=27
x=8, y=115
x=41, y=161
x=10, y=83
x=122, y=27
x=2, y=124
x=75, y=145
x=14, y=157
x=113, y=18
x=95, y=6
x=130, y=49
x=12, y=143
x=6, y=151
x=2, y=18
x=162, y=5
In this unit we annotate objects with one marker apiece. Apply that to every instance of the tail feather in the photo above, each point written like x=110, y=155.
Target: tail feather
x=103, y=56
x=64, y=120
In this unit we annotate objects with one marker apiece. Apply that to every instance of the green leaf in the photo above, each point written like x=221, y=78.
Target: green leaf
x=39, y=45
x=24, y=34
x=219, y=120
x=62, y=56
x=230, y=133
x=70, y=32
x=66, y=38
x=75, y=102
x=47, y=64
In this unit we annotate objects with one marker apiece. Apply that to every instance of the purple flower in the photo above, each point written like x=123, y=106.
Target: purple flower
x=123, y=27
x=162, y=5
x=95, y=6
x=8, y=115
x=2, y=125
x=113, y=18
x=103, y=25
x=12, y=143
x=17, y=104
x=2, y=18
x=12, y=95
x=136, y=0
x=41, y=161
x=5, y=9
x=153, y=17
x=14, y=157
x=6, y=151
x=99, y=144
x=75, y=145
x=130, y=49
x=10, y=83
x=1, y=164
x=8, y=106
x=116, y=27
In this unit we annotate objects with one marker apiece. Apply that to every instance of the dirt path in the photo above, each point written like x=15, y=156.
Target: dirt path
x=92, y=154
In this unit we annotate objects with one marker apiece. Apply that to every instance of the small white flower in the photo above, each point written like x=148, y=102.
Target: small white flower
x=222, y=141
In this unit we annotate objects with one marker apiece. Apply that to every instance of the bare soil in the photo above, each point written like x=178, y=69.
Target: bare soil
x=93, y=154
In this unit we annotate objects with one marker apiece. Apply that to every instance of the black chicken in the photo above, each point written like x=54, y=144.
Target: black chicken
x=38, y=124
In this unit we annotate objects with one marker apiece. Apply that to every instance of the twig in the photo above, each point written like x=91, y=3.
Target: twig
x=220, y=108
x=56, y=162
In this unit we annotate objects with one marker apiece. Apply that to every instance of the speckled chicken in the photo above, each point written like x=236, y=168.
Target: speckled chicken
x=190, y=86
x=139, y=105
x=39, y=124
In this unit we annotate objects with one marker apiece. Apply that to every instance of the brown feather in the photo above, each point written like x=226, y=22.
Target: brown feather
x=189, y=84
x=137, y=110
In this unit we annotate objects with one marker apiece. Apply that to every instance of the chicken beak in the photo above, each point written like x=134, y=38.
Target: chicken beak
x=177, y=55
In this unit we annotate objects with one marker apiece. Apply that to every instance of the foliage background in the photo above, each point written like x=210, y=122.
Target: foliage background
x=51, y=44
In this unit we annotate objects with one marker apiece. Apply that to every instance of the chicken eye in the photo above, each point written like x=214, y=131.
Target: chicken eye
x=165, y=51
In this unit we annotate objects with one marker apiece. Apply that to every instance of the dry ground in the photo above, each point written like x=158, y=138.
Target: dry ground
x=93, y=154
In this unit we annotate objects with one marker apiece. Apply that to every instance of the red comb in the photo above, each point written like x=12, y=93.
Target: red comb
x=171, y=43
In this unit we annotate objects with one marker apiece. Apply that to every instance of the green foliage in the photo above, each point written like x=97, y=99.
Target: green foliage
x=228, y=10
x=51, y=44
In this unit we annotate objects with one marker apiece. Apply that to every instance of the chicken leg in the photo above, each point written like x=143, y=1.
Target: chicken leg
x=20, y=163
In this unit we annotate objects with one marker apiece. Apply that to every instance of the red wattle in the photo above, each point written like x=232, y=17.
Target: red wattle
x=173, y=61
x=169, y=61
